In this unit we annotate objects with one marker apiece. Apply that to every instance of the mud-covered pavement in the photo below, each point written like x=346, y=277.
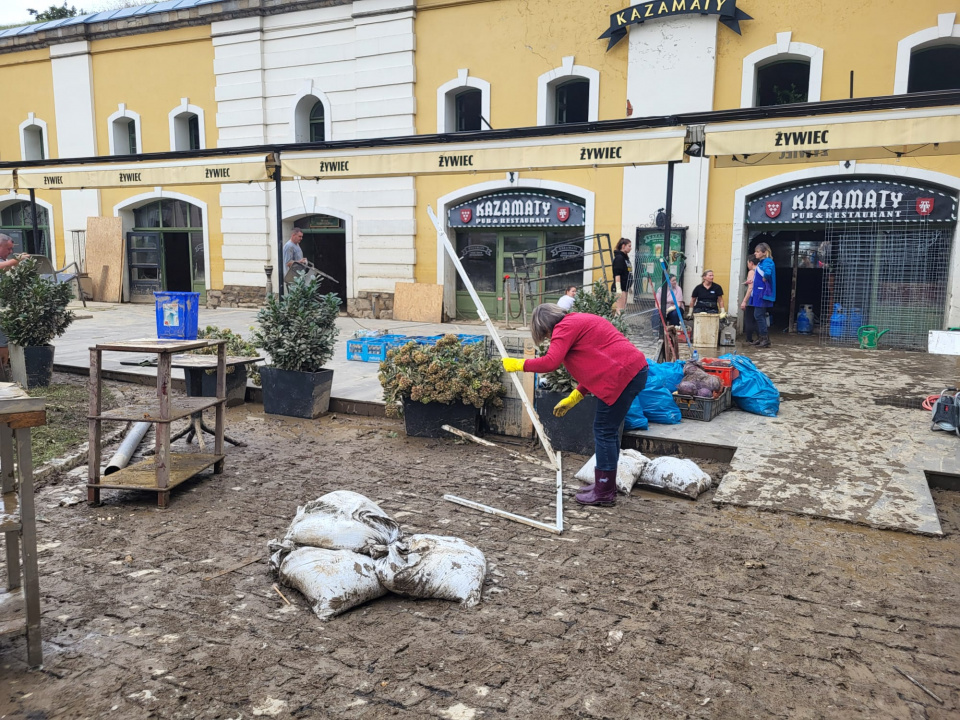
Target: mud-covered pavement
x=658, y=608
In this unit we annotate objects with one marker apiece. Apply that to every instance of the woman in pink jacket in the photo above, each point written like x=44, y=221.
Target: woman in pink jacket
x=605, y=364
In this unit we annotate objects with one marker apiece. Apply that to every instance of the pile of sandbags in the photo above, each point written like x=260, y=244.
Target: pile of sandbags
x=342, y=550
x=669, y=474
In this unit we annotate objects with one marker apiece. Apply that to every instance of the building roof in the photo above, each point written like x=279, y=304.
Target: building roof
x=104, y=16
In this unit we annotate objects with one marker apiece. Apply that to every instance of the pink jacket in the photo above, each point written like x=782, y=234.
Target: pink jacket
x=601, y=359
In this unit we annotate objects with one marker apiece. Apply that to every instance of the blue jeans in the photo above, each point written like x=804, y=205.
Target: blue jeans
x=760, y=316
x=609, y=419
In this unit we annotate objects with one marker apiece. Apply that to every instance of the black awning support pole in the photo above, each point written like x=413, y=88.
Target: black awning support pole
x=33, y=221
x=667, y=224
x=281, y=270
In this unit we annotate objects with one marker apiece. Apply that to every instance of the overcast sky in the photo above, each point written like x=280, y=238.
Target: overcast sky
x=15, y=11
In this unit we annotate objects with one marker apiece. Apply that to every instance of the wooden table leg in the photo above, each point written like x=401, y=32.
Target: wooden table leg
x=221, y=407
x=9, y=485
x=93, y=453
x=28, y=531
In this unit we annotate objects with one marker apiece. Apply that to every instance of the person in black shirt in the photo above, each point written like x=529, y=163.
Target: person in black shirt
x=622, y=272
x=708, y=296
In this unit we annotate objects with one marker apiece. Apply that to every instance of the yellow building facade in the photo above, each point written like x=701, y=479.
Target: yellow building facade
x=210, y=76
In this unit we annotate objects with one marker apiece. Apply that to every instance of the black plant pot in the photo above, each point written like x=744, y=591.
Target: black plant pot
x=31, y=366
x=200, y=383
x=425, y=419
x=296, y=393
x=573, y=433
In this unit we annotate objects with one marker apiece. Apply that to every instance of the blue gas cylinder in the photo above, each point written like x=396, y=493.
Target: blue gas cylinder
x=803, y=323
x=853, y=323
x=837, y=321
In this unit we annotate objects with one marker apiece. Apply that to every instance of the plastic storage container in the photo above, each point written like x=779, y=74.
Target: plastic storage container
x=723, y=369
x=706, y=409
x=178, y=315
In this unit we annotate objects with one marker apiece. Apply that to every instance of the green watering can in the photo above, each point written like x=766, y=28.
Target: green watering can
x=869, y=336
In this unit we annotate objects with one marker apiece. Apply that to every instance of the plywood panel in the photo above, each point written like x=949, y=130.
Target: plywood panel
x=418, y=302
x=105, y=259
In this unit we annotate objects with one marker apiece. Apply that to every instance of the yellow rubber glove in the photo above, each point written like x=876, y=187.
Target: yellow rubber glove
x=561, y=408
x=723, y=314
x=513, y=364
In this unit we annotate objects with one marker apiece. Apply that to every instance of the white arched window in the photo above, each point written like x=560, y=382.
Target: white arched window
x=311, y=116
x=782, y=63
x=569, y=93
x=34, y=144
x=921, y=57
x=463, y=104
x=186, y=127
x=123, y=132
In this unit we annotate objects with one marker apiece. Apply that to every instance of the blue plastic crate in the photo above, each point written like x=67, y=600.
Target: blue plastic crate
x=424, y=339
x=471, y=339
x=357, y=350
x=178, y=315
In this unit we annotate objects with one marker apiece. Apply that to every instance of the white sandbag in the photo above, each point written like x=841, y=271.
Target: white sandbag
x=431, y=566
x=341, y=520
x=333, y=581
x=675, y=475
x=629, y=467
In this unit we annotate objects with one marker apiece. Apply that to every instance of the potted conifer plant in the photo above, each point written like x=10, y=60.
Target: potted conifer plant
x=33, y=311
x=299, y=333
x=574, y=431
x=443, y=384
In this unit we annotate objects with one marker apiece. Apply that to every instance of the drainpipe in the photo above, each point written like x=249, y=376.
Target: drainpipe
x=129, y=445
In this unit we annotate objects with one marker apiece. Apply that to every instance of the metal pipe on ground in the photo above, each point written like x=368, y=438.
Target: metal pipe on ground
x=129, y=445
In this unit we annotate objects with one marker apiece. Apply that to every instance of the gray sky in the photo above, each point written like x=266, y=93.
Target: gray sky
x=15, y=11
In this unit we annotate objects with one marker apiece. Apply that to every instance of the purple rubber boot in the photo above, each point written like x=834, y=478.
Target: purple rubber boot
x=602, y=492
x=597, y=474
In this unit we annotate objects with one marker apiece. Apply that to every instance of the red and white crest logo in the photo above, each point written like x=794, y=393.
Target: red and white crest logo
x=924, y=206
x=465, y=215
x=563, y=213
x=773, y=208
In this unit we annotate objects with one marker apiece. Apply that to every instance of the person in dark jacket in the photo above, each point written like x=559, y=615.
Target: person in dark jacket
x=622, y=272
x=764, y=291
x=605, y=364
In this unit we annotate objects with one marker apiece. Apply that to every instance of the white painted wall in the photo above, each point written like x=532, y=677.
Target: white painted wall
x=359, y=58
x=670, y=69
x=76, y=130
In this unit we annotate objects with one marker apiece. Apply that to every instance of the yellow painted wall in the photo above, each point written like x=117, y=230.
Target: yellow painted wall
x=510, y=44
x=861, y=36
x=150, y=74
x=27, y=80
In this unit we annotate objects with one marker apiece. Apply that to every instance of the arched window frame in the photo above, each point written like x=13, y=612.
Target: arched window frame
x=945, y=30
x=33, y=121
x=447, y=96
x=123, y=112
x=185, y=108
x=300, y=114
x=547, y=83
x=783, y=49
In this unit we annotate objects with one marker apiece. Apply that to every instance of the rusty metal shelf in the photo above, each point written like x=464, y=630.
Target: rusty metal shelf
x=143, y=475
x=150, y=412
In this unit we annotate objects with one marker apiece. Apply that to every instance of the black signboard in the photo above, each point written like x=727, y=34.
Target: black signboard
x=730, y=15
x=852, y=201
x=517, y=209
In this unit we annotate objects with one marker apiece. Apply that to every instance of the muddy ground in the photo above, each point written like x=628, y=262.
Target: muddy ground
x=658, y=608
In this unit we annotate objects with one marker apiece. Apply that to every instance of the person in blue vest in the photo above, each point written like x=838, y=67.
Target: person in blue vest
x=764, y=291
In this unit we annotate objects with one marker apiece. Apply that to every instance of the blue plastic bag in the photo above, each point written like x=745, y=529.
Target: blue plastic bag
x=753, y=391
x=658, y=403
x=669, y=374
x=635, y=419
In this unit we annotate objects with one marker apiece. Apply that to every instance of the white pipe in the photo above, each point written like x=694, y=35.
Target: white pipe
x=129, y=445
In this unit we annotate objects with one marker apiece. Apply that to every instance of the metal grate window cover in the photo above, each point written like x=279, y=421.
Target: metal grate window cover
x=891, y=276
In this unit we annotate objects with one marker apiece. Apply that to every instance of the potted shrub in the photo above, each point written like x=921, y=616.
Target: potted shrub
x=573, y=432
x=299, y=333
x=443, y=384
x=34, y=312
x=237, y=375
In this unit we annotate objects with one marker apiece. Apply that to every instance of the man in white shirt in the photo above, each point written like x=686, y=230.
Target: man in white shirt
x=566, y=300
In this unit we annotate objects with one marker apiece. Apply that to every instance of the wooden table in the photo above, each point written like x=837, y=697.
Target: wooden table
x=165, y=470
x=20, y=604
